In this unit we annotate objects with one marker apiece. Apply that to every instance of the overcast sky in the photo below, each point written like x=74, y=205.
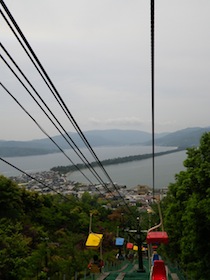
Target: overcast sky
x=97, y=53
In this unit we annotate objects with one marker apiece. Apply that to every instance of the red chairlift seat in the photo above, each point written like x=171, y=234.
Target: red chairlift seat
x=159, y=271
x=157, y=237
x=129, y=246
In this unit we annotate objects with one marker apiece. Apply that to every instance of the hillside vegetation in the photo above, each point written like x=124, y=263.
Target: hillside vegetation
x=44, y=236
x=187, y=213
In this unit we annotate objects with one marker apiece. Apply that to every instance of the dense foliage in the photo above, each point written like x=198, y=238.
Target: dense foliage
x=44, y=235
x=187, y=213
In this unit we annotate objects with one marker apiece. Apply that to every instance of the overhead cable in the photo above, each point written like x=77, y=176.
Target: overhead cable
x=30, y=176
x=78, y=151
x=152, y=90
x=45, y=132
x=89, y=166
x=55, y=93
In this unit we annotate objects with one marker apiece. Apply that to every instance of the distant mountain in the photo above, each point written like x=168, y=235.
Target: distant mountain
x=183, y=138
x=96, y=138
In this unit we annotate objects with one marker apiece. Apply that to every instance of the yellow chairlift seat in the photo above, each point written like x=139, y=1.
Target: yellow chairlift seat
x=135, y=248
x=94, y=240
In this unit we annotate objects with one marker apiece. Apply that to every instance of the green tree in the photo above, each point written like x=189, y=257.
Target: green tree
x=13, y=250
x=44, y=236
x=187, y=213
x=10, y=199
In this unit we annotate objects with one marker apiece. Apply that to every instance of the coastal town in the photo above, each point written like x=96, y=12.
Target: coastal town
x=53, y=182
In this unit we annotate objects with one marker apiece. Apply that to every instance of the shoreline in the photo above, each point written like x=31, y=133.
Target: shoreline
x=69, y=169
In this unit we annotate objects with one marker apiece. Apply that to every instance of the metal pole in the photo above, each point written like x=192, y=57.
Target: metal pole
x=90, y=224
x=139, y=244
x=101, y=254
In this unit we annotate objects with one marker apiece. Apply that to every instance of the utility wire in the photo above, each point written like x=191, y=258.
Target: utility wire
x=40, y=182
x=39, y=126
x=152, y=90
x=89, y=166
x=30, y=176
x=56, y=94
x=36, y=59
x=107, y=189
x=43, y=184
x=103, y=184
x=80, y=154
x=24, y=48
x=52, y=85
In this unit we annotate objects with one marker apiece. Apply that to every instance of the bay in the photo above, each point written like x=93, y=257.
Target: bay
x=129, y=174
x=140, y=172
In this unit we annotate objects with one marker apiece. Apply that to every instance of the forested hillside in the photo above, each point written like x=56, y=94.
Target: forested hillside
x=187, y=213
x=44, y=235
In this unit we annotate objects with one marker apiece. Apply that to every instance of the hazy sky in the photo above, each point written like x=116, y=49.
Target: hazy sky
x=97, y=53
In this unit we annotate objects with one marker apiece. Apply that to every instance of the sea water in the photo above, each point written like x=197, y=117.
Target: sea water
x=129, y=174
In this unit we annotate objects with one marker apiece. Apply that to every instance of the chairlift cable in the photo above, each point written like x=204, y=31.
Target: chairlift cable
x=40, y=127
x=152, y=90
x=73, y=145
x=55, y=93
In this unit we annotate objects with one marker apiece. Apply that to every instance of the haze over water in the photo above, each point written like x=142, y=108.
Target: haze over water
x=129, y=174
